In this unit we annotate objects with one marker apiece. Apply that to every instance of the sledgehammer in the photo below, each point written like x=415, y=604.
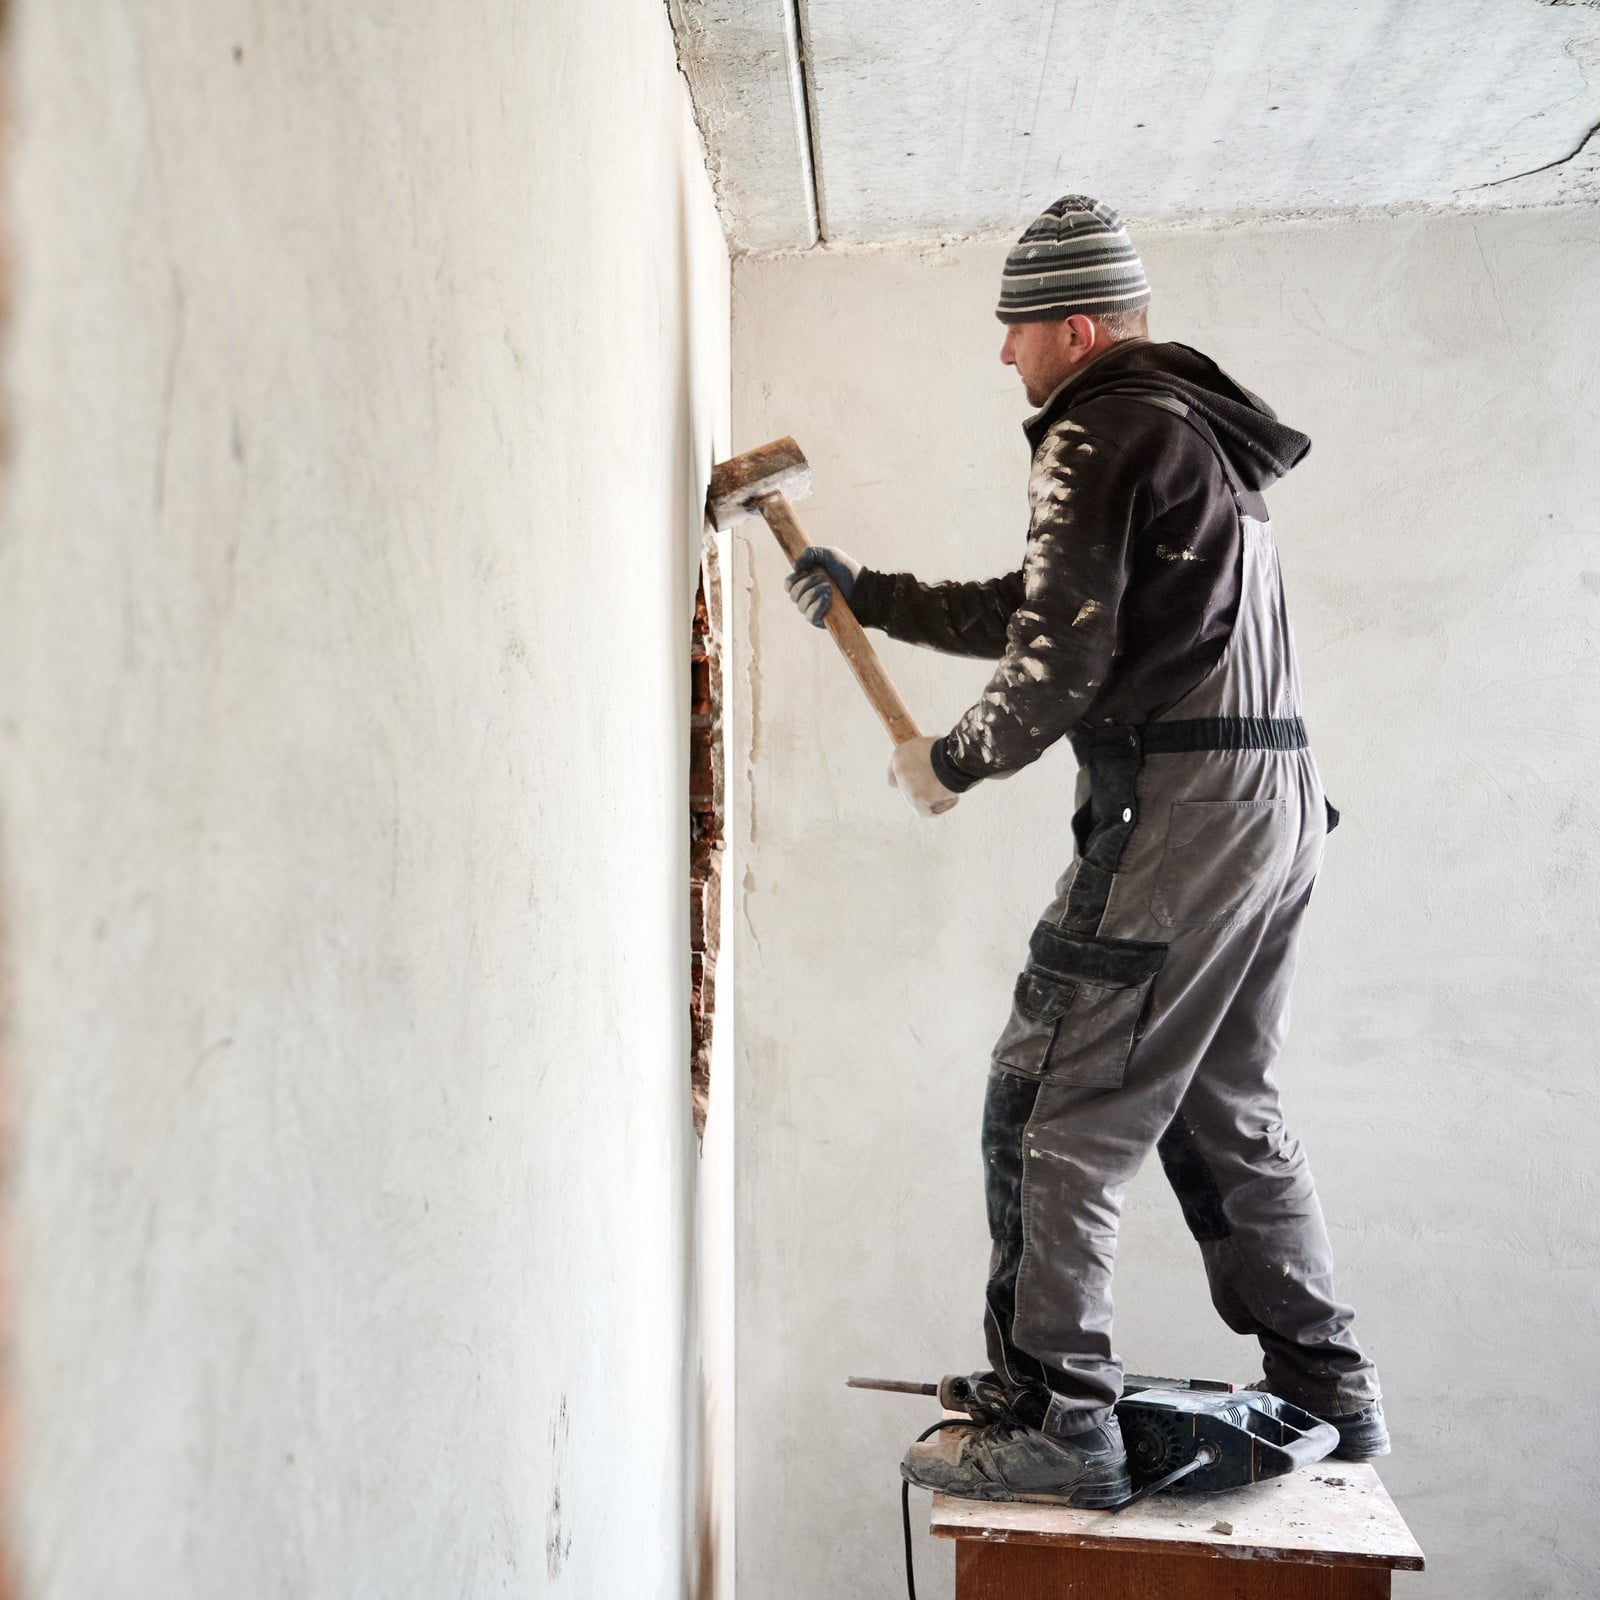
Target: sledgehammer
x=760, y=483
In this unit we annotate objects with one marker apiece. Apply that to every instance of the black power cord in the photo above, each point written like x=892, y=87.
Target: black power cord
x=905, y=1499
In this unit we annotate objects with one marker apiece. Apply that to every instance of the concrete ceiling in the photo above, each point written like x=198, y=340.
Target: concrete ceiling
x=853, y=121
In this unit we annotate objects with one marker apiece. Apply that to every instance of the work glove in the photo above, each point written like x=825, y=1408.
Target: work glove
x=818, y=572
x=911, y=772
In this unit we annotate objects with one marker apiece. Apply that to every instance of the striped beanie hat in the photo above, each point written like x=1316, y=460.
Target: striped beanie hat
x=1074, y=259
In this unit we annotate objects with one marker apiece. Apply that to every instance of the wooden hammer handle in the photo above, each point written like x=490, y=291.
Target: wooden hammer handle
x=841, y=623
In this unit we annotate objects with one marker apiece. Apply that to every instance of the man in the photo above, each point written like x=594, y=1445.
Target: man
x=1147, y=624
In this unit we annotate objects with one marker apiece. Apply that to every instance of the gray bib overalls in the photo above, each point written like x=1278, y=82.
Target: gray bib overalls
x=1149, y=1015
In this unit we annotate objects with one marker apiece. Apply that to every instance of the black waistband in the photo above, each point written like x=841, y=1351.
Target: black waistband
x=1193, y=733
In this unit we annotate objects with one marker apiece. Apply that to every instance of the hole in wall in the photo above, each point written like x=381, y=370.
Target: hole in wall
x=707, y=820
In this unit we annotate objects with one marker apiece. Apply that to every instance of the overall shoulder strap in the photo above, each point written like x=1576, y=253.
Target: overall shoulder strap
x=1165, y=400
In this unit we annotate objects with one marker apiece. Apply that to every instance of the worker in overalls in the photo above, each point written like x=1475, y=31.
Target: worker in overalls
x=1146, y=624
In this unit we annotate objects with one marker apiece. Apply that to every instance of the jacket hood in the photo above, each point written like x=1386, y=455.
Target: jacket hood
x=1259, y=448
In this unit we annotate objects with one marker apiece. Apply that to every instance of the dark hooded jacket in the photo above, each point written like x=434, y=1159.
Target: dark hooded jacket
x=1129, y=583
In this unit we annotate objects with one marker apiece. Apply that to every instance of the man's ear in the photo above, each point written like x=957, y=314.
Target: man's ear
x=1083, y=334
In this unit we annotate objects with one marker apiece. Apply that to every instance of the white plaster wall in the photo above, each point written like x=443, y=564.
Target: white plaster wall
x=369, y=363
x=1442, y=550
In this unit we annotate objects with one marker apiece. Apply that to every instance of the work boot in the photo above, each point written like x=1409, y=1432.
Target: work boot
x=1362, y=1434
x=1005, y=1461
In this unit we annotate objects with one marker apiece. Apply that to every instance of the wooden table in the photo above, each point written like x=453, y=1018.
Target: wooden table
x=1328, y=1532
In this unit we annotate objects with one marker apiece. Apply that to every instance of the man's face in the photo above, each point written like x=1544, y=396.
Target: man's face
x=1046, y=354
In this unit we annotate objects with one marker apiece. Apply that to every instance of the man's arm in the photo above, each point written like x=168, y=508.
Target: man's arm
x=963, y=619
x=1062, y=636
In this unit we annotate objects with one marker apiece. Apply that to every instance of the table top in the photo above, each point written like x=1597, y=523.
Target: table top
x=1335, y=1513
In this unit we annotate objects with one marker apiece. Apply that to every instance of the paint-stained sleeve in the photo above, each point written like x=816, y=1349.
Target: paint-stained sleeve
x=1086, y=505
x=962, y=619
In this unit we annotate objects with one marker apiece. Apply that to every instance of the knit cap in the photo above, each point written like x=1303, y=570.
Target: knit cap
x=1074, y=259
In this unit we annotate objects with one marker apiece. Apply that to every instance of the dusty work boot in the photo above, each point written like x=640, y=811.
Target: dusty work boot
x=1362, y=1434
x=1005, y=1461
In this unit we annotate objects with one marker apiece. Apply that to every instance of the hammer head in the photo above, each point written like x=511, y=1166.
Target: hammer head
x=776, y=468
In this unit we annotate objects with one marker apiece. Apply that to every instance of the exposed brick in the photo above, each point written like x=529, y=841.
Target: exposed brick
x=706, y=821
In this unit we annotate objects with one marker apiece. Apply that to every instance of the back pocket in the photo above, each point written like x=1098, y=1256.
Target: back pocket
x=1078, y=1007
x=1223, y=859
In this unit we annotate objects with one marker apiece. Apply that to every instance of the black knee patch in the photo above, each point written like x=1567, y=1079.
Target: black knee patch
x=1007, y=1107
x=1192, y=1182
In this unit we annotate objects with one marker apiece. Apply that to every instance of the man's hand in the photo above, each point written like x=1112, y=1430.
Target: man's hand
x=911, y=772
x=816, y=574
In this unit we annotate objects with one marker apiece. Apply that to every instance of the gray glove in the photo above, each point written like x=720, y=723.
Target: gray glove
x=816, y=574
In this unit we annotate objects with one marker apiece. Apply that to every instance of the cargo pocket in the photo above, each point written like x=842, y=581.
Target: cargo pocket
x=1078, y=1007
x=1222, y=860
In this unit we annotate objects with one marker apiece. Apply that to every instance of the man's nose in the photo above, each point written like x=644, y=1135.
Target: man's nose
x=1006, y=355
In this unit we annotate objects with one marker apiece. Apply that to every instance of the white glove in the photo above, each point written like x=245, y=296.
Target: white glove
x=911, y=772
x=818, y=571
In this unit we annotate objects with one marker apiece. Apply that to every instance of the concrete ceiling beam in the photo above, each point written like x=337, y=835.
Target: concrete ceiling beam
x=747, y=74
x=920, y=119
